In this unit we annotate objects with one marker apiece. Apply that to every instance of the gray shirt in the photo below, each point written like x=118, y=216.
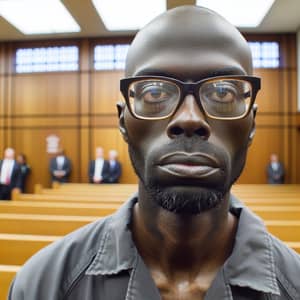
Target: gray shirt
x=100, y=261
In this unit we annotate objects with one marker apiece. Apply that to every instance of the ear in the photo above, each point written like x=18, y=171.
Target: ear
x=253, y=129
x=122, y=128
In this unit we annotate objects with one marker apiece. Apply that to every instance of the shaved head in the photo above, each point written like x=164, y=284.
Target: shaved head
x=185, y=29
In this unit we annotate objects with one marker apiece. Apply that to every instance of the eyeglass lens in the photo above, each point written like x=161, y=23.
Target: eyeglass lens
x=223, y=98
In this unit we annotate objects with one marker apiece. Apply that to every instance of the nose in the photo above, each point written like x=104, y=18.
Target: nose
x=189, y=121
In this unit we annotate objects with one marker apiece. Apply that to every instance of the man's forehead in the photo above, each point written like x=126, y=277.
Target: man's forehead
x=190, y=65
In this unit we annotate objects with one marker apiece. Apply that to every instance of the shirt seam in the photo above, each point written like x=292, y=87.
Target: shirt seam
x=272, y=265
x=131, y=279
x=289, y=288
x=227, y=285
x=98, y=256
x=79, y=269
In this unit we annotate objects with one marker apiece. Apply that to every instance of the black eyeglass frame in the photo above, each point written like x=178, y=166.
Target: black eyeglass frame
x=193, y=88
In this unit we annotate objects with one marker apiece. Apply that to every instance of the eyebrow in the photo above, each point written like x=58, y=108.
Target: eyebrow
x=212, y=73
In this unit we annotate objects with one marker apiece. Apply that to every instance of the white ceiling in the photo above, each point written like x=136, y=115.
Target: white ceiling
x=284, y=16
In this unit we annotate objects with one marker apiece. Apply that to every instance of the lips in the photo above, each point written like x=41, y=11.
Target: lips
x=189, y=165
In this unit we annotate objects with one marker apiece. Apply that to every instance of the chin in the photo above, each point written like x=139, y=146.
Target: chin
x=185, y=199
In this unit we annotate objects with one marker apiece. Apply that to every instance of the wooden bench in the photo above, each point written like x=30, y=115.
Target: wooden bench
x=15, y=249
x=119, y=200
x=286, y=230
x=57, y=208
x=271, y=201
x=88, y=189
x=277, y=212
x=42, y=224
x=99, y=210
x=68, y=198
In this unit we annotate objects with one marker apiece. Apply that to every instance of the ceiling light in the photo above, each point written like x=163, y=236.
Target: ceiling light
x=128, y=15
x=241, y=13
x=37, y=16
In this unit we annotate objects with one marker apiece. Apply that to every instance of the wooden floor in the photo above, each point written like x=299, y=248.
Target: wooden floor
x=31, y=221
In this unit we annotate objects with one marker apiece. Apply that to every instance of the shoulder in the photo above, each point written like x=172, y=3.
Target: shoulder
x=52, y=271
x=287, y=264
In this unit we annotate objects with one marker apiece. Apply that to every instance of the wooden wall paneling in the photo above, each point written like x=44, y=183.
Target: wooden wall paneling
x=288, y=51
x=46, y=93
x=2, y=96
x=268, y=98
x=2, y=113
x=295, y=161
x=284, y=108
x=267, y=140
x=296, y=155
x=105, y=90
x=294, y=147
x=85, y=107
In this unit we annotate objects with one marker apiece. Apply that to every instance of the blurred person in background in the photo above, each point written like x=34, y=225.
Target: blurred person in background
x=275, y=170
x=25, y=170
x=10, y=174
x=60, y=167
x=115, y=168
x=98, y=168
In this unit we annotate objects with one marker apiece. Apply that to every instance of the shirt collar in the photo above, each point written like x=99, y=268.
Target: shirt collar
x=117, y=251
x=251, y=263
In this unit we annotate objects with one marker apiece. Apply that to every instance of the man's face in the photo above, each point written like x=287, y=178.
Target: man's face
x=99, y=153
x=9, y=153
x=187, y=162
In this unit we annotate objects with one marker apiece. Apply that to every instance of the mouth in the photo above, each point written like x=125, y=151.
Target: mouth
x=189, y=165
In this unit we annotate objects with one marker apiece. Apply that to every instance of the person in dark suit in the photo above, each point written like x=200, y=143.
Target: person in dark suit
x=25, y=170
x=60, y=167
x=98, y=168
x=275, y=170
x=115, y=168
x=10, y=174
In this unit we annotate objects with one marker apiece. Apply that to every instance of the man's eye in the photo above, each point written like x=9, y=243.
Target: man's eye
x=224, y=94
x=154, y=95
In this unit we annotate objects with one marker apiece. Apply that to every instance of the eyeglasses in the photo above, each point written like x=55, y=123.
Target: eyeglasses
x=158, y=97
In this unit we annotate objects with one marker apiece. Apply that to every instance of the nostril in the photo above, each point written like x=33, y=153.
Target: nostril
x=201, y=131
x=176, y=130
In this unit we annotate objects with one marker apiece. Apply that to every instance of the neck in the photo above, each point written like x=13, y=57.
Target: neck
x=182, y=243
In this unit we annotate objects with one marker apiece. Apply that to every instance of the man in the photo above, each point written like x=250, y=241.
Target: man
x=188, y=93
x=98, y=168
x=25, y=170
x=10, y=174
x=115, y=168
x=275, y=170
x=60, y=167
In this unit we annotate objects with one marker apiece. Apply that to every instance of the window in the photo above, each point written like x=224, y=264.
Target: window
x=47, y=59
x=265, y=54
x=110, y=57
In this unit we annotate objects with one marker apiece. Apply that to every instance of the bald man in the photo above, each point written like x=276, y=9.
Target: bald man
x=188, y=119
